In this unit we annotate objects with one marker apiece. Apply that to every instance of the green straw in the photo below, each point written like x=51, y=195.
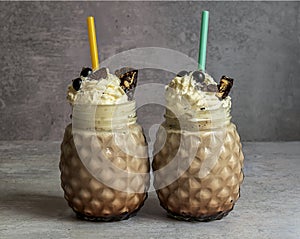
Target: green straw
x=203, y=41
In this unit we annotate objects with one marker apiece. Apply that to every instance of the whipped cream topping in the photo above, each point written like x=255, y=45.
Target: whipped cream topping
x=105, y=91
x=184, y=95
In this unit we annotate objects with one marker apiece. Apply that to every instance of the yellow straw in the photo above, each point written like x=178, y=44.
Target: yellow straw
x=93, y=42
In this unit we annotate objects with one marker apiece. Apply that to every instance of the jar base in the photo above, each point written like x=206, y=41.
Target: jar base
x=112, y=218
x=123, y=216
x=203, y=218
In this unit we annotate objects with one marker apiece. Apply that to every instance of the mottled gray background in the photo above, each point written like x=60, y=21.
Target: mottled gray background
x=43, y=46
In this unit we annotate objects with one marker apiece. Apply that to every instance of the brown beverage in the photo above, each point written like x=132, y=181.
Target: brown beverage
x=104, y=160
x=198, y=167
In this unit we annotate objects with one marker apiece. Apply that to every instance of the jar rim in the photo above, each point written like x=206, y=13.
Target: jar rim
x=107, y=105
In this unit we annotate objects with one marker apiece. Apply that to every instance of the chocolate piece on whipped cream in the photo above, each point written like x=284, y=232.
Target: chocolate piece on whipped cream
x=128, y=77
x=99, y=74
x=212, y=88
x=224, y=87
x=182, y=73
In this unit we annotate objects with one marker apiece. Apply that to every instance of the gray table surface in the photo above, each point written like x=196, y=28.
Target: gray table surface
x=32, y=203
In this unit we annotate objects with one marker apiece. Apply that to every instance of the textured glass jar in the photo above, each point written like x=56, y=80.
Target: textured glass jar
x=198, y=166
x=104, y=162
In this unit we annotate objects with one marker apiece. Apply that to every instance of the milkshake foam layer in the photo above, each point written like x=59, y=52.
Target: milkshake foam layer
x=105, y=91
x=185, y=95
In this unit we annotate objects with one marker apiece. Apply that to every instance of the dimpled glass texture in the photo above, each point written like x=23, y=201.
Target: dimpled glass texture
x=195, y=196
x=98, y=200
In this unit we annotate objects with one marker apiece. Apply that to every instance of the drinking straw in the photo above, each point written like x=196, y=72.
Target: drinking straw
x=203, y=40
x=93, y=42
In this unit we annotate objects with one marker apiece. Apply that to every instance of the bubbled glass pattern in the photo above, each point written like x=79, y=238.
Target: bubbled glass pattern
x=94, y=199
x=196, y=195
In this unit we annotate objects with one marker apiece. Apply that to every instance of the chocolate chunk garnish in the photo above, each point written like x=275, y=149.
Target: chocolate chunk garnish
x=224, y=87
x=122, y=71
x=128, y=77
x=212, y=88
x=199, y=76
x=128, y=80
x=182, y=73
x=99, y=74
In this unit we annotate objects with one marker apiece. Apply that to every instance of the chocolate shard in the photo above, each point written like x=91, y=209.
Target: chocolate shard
x=122, y=71
x=224, y=87
x=182, y=73
x=99, y=74
x=212, y=88
x=128, y=77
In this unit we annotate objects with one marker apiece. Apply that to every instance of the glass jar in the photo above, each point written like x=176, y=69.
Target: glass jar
x=198, y=165
x=104, y=162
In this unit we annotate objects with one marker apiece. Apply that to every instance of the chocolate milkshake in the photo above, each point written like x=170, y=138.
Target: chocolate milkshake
x=198, y=167
x=104, y=160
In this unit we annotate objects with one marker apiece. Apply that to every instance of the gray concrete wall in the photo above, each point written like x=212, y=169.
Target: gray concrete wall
x=44, y=45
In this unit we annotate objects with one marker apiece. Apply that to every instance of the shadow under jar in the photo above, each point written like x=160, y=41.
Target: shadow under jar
x=198, y=166
x=104, y=162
